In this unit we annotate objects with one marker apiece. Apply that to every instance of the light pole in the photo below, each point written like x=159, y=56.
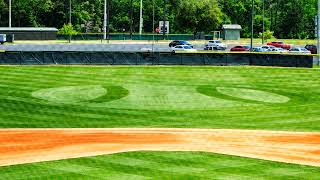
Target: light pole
x=252, y=19
x=131, y=19
x=70, y=11
x=105, y=20
x=153, y=16
x=262, y=22
x=141, y=18
x=9, y=13
x=318, y=33
x=164, y=20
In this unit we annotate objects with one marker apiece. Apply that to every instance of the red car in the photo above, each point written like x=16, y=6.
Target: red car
x=240, y=48
x=280, y=44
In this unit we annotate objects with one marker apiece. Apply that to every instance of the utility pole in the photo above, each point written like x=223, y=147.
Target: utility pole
x=164, y=20
x=10, y=14
x=141, y=18
x=108, y=19
x=318, y=33
x=70, y=11
x=252, y=19
x=262, y=22
x=153, y=30
x=105, y=20
x=131, y=19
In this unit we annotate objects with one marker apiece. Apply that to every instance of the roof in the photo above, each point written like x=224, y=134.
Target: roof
x=28, y=29
x=231, y=26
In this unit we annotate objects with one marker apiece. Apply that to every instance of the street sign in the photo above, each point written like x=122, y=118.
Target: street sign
x=167, y=29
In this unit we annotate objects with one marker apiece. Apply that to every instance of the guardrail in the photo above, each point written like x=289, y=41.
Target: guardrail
x=156, y=58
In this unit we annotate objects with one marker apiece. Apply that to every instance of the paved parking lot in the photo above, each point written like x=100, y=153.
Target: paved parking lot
x=90, y=47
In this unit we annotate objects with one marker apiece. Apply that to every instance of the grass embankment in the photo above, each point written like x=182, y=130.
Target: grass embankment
x=243, y=41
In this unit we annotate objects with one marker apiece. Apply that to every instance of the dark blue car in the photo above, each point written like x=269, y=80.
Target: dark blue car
x=178, y=42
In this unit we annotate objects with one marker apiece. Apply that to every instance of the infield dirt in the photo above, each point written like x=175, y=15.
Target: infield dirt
x=19, y=146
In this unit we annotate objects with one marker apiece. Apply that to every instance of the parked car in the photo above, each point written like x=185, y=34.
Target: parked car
x=279, y=50
x=3, y=38
x=178, y=42
x=268, y=48
x=216, y=45
x=183, y=48
x=312, y=48
x=280, y=44
x=240, y=48
x=258, y=49
x=299, y=50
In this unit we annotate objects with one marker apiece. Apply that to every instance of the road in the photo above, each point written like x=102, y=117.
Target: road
x=86, y=47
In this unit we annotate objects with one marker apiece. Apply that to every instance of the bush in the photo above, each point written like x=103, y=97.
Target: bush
x=267, y=35
x=68, y=29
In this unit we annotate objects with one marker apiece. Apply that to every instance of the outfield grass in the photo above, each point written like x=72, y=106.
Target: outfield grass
x=190, y=97
x=198, y=97
x=160, y=165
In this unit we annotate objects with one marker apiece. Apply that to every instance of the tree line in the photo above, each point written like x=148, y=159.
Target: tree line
x=286, y=18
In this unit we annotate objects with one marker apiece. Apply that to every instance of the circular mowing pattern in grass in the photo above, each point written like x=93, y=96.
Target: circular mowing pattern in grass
x=253, y=95
x=71, y=94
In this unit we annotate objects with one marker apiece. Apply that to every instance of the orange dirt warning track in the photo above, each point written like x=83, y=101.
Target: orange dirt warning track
x=18, y=146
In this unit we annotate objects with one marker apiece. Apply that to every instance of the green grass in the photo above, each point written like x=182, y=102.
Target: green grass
x=198, y=97
x=189, y=97
x=246, y=41
x=160, y=165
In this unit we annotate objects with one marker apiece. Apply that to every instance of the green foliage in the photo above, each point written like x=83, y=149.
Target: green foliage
x=197, y=16
x=287, y=19
x=267, y=35
x=67, y=29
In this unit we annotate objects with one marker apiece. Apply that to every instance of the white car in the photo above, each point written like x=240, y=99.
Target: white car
x=279, y=50
x=216, y=44
x=267, y=48
x=299, y=50
x=183, y=48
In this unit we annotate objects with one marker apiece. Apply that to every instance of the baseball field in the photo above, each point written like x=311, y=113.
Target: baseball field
x=103, y=122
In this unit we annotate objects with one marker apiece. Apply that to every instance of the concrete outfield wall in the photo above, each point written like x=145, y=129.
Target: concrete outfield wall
x=157, y=58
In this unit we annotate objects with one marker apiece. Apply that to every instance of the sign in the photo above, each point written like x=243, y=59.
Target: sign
x=158, y=30
x=166, y=27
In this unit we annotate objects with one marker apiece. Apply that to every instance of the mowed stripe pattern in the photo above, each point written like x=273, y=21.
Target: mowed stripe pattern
x=160, y=165
x=161, y=97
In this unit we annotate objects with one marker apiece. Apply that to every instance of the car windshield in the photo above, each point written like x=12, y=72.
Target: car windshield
x=218, y=42
x=247, y=47
x=280, y=42
x=187, y=47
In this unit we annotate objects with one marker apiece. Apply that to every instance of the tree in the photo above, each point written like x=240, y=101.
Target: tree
x=197, y=16
x=67, y=29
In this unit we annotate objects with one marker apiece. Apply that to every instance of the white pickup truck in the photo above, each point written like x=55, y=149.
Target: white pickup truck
x=3, y=38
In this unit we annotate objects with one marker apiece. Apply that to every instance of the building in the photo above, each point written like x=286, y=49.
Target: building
x=30, y=33
x=231, y=31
